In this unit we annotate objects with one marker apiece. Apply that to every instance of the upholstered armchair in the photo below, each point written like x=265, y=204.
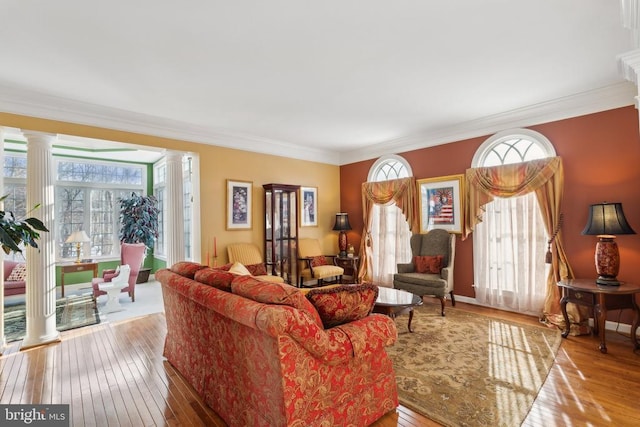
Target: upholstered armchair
x=313, y=265
x=131, y=254
x=249, y=255
x=431, y=271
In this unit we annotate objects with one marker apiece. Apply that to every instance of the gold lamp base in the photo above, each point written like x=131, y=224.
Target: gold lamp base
x=78, y=261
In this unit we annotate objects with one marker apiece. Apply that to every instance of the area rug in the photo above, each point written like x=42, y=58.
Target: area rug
x=71, y=312
x=466, y=369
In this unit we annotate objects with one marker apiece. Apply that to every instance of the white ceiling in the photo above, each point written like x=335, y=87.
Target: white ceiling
x=331, y=81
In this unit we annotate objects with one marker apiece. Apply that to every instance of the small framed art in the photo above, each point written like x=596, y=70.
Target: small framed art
x=239, y=207
x=440, y=202
x=309, y=206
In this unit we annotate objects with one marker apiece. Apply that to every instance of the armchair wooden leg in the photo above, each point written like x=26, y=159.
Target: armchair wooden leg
x=453, y=299
x=442, y=304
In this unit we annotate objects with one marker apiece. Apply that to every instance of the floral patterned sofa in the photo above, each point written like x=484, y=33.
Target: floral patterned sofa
x=258, y=353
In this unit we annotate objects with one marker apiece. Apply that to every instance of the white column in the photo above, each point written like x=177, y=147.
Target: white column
x=3, y=340
x=174, y=208
x=196, y=240
x=41, y=284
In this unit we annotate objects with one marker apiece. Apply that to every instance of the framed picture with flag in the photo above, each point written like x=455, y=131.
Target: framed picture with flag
x=440, y=201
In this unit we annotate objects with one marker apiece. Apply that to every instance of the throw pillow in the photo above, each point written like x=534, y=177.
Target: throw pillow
x=215, y=277
x=343, y=304
x=257, y=269
x=318, y=261
x=273, y=293
x=239, y=269
x=18, y=274
x=186, y=268
x=430, y=264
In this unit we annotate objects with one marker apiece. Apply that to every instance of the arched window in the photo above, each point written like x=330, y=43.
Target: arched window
x=510, y=243
x=390, y=232
x=389, y=167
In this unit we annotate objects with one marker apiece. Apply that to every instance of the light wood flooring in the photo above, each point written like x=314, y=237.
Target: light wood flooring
x=114, y=374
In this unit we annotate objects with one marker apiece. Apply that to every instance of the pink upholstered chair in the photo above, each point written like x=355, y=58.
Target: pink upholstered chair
x=131, y=254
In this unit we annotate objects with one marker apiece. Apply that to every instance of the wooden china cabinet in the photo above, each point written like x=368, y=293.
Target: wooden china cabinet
x=281, y=230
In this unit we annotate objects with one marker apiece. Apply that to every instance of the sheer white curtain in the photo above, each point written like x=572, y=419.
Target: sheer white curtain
x=509, y=251
x=390, y=240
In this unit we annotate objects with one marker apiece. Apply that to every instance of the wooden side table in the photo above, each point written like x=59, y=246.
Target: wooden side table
x=350, y=265
x=76, y=267
x=600, y=298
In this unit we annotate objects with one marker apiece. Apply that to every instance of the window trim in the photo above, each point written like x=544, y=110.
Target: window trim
x=382, y=160
x=485, y=148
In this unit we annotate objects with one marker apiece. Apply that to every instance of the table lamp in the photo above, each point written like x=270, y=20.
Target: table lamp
x=78, y=237
x=342, y=225
x=606, y=220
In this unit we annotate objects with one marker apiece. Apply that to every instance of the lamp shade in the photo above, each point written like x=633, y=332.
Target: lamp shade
x=342, y=222
x=607, y=219
x=78, y=237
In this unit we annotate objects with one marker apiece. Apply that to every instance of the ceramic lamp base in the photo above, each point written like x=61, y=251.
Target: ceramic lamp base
x=607, y=261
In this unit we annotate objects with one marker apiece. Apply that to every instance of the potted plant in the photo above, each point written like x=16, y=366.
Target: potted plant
x=14, y=231
x=139, y=224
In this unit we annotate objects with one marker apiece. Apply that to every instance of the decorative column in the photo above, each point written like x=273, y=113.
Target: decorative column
x=41, y=284
x=174, y=208
x=3, y=341
x=194, y=177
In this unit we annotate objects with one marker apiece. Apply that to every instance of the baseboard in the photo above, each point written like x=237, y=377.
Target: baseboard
x=609, y=325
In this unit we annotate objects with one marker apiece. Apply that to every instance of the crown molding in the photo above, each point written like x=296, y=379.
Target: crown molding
x=35, y=104
x=607, y=98
x=29, y=103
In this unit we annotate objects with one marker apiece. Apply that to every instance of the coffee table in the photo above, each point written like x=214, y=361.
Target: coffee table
x=394, y=302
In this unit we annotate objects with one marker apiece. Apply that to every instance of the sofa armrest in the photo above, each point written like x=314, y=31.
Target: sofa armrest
x=332, y=346
x=370, y=334
x=405, y=268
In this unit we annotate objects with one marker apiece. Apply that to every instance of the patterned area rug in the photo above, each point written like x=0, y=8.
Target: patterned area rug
x=466, y=369
x=71, y=312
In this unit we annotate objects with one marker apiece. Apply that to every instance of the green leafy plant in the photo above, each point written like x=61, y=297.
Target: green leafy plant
x=14, y=232
x=139, y=219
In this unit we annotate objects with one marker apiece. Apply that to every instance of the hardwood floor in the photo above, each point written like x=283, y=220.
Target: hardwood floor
x=114, y=374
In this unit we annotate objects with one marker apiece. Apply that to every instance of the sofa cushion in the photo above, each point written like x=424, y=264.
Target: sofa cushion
x=273, y=293
x=343, y=304
x=430, y=264
x=187, y=268
x=18, y=274
x=257, y=269
x=215, y=277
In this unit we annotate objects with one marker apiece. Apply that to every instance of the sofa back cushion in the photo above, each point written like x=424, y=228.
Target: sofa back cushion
x=343, y=304
x=186, y=268
x=273, y=293
x=215, y=277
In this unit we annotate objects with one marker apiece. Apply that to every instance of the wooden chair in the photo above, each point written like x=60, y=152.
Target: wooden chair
x=249, y=255
x=314, y=265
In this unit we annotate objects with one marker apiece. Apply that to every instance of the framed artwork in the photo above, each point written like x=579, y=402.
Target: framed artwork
x=309, y=206
x=441, y=203
x=239, y=205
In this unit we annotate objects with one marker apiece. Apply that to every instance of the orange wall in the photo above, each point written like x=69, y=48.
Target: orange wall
x=601, y=157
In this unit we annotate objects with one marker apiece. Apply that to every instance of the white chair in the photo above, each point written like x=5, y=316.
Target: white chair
x=114, y=287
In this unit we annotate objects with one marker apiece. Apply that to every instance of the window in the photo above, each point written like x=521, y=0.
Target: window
x=510, y=243
x=159, y=190
x=390, y=232
x=87, y=194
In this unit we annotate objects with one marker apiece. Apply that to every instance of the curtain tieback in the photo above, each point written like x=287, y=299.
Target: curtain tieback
x=549, y=255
